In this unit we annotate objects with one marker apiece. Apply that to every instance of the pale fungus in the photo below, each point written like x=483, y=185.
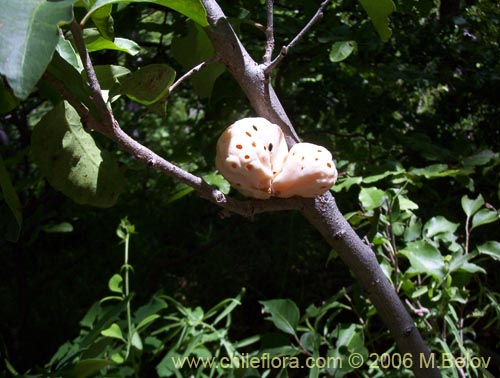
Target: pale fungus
x=253, y=156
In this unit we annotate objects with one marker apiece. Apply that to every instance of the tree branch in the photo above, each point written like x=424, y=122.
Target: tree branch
x=191, y=72
x=269, y=32
x=322, y=213
x=285, y=49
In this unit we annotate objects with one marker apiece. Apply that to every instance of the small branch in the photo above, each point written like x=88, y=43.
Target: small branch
x=192, y=71
x=269, y=32
x=104, y=113
x=284, y=50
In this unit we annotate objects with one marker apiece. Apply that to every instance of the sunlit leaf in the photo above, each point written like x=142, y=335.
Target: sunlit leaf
x=96, y=42
x=284, y=314
x=371, y=198
x=28, y=37
x=148, y=84
x=115, y=283
x=379, y=12
x=490, y=248
x=113, y=331
x=471, y=206
x=341, y=50
x=424, y=259
x=189, y=8
x=69, y=158
x=439, y=225
x=484, y=216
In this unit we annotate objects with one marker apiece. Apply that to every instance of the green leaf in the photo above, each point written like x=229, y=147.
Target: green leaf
x=347, y=183
x=481, y=158
x=341, y=50
x=490, y=248
x=424, y=259
x=28, y=37
x=484, y=216
x=439, y=225
x=96, y=42
x=471, y=206
x=148, y=319
x=115, y=284
x=406, y=204
x=193, y=49
x=110, y=75
x=71, y=161
x=113, y=331
x=284, y=314
x=63, y=227
x=136, y=341
x=217, y=180
x=189, y=8
x=65, y=72
x=104, y=22
x=149, y=84
x=371, y=198
x=7, y=100
x=86, y=368
x=13, y=228
x=379, y=12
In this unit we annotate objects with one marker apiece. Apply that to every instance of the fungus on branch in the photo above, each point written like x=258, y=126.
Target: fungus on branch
x=253, y=156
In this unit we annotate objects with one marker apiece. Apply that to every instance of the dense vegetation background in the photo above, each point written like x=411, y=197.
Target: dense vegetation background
x=420, y=110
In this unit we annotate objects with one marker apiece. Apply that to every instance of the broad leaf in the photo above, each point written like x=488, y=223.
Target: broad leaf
x=424, y=259
x=189, y=8
x=148, y=84
x=13, y=223
x=95, y=42
x=439, y=225
x=341, y=50
x=484, y=216
x=490, y=248
x=371, y=198
x=28, y=37
x=113, y=331
x=284, y=314
x=471, y=206
x=115, y=284
x=110, y=75
x=104, y=22
x=193, y=49
x=379, y=12
x=71, y=161
x=53, y=228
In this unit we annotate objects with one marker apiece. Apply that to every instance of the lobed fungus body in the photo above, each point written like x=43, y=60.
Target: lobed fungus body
x=253, y=156
x=249, y=153
x=308, y=172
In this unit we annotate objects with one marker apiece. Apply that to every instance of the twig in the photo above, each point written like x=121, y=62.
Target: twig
x=269, y=32
x=192, y=71
x=284, y=50
x=104, y=114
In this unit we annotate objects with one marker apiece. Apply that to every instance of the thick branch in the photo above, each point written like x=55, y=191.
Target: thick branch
x=323, y=212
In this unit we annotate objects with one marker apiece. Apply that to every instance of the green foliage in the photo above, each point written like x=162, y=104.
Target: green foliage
x=71, y=161
x=28, y=38
x=379, y=13
x=149, y=84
